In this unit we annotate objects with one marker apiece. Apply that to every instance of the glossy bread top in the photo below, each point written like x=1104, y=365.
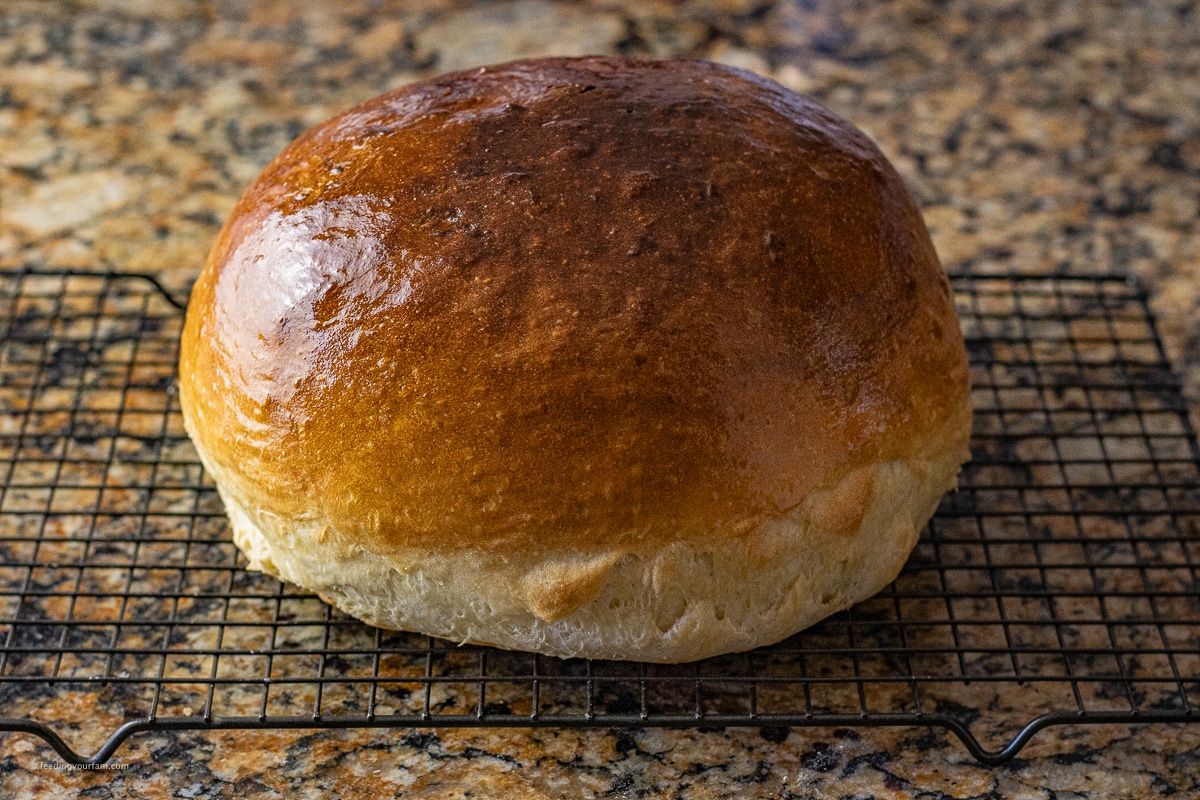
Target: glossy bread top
x=569, y=303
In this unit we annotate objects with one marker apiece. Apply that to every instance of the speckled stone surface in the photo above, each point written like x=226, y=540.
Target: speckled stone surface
x=1039, y=137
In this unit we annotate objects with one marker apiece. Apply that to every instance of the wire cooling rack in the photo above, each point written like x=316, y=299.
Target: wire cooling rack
x=1059, y=585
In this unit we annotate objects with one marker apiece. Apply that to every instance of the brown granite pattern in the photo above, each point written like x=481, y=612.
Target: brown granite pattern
x=1039, y=137
x=892, y=764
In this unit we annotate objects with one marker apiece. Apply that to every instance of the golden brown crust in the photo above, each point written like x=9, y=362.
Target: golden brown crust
x=572, y=304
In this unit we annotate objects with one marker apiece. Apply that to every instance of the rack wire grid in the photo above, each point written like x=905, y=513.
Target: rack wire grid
x=1058, y=585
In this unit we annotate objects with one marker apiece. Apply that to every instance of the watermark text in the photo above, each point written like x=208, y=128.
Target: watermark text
x=77, y=767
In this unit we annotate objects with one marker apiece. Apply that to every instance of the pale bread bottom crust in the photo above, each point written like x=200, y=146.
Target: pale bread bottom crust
x=681, y=603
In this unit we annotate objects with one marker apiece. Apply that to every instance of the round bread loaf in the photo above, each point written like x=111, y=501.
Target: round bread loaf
x=593, y=357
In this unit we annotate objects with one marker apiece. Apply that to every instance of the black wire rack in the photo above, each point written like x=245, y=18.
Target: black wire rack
x=1058, y=585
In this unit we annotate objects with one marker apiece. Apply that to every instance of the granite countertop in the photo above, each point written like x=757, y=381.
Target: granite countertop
x=1039, y=137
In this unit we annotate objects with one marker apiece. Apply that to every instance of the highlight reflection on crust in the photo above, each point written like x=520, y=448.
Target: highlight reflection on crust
x=323, y=266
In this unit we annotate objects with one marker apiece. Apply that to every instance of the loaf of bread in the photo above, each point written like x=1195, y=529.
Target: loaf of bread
x=597, y=357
